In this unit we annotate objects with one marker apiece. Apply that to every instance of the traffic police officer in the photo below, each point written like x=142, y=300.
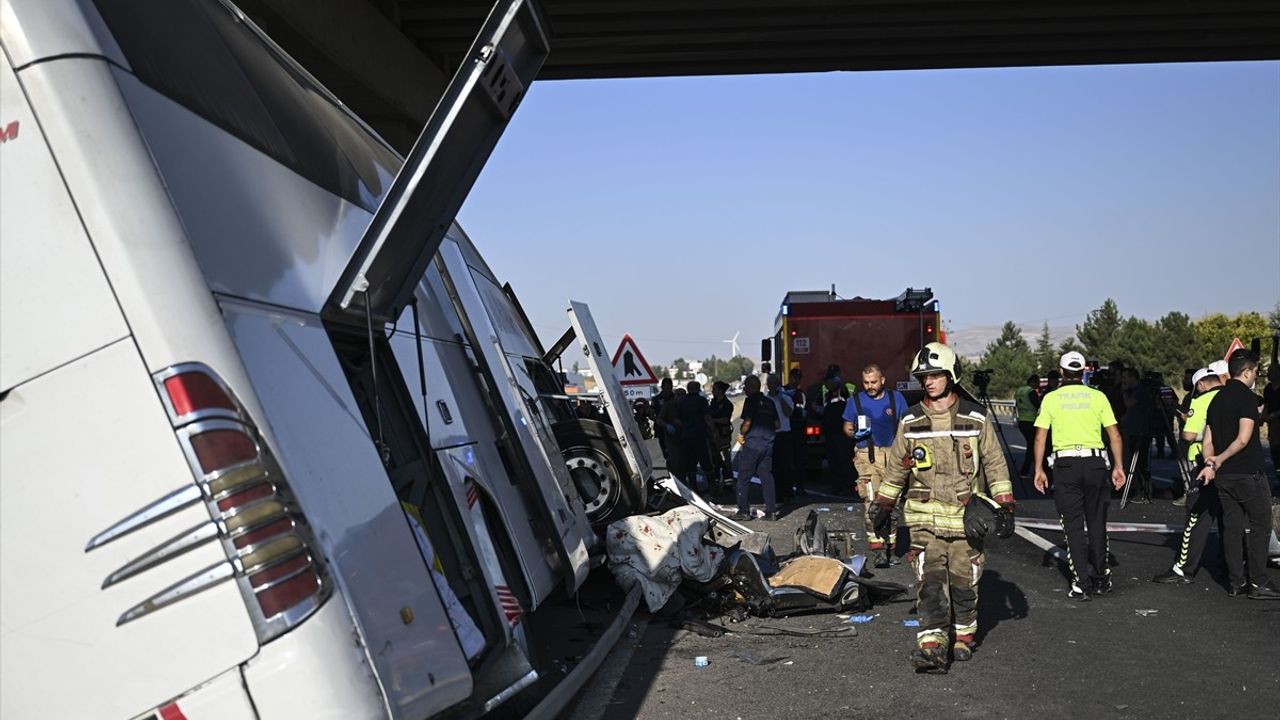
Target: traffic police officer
x=1205, y=384
x=1077, y=414
x=944, y=447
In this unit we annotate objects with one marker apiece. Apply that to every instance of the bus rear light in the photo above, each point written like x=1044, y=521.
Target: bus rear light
x=219, y=449
x=255, y=536
x=268, y=544
x=193, y=391
x=235, y=478
x=277, y=597
x=244, y=497
x=813, y=430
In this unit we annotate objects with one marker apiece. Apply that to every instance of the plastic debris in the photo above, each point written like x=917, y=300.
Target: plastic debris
x=911, y=623
x=701, y=661
x=848, y=508
x=824, y=509
x=861, y=619
x=1146, y=612
x=789, y=662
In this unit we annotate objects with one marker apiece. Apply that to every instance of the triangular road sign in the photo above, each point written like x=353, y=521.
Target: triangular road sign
x=1235, y=345
x=630, y=366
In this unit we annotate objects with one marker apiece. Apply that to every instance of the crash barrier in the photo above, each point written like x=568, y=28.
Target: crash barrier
x=556, y=700
x=1003, y=408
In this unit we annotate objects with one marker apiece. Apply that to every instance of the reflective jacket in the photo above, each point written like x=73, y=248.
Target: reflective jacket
x=935, y=458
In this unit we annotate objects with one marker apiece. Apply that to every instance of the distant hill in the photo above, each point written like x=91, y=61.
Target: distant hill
x=970, y=342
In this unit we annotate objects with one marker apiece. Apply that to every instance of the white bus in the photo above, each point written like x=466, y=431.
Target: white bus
x=248, y=466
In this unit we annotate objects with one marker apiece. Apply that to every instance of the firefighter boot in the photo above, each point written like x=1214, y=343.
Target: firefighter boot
x=962, y=648
x=931, y=658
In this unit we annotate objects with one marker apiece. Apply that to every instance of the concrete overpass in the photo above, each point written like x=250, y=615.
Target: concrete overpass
x=390, y=59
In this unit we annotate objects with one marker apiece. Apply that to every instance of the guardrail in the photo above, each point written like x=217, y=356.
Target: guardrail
x=1003, y=408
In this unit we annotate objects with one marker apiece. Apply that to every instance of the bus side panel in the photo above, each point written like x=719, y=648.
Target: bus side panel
x=335, y=472
x=450, y=381
x=55, y=304
x=83, y=447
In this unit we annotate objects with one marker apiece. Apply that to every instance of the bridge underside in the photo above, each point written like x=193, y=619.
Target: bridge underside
x=389, y=59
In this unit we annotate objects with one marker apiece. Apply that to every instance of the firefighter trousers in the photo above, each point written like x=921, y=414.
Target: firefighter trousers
x=1082, y=492
x=947, y=573
x=1203, y=508
x=869, y=476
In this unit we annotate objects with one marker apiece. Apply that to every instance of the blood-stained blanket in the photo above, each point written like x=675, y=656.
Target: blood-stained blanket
x=658, y=552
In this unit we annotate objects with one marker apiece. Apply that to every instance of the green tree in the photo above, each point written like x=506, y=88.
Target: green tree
x=728, y=370
x=1067, y=346
x=1135, y=343
x=1215, y=332
x=1046, y=354
x=1098, y=331
x=1178, y=348
x=660, y=371
x=682, y=368
x=1010, y=360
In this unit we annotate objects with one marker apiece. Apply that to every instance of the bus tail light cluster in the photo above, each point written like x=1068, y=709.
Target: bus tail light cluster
x=263, y=532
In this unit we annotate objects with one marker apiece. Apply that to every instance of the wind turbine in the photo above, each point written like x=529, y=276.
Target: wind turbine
x=733, y=344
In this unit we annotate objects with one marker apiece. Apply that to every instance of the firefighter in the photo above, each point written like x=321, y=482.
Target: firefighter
x=1077, y=414
x=945, y=447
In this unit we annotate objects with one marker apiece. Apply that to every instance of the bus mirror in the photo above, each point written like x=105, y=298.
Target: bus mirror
x=766, y=350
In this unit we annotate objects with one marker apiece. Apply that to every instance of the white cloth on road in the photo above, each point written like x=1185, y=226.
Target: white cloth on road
x=658, y=552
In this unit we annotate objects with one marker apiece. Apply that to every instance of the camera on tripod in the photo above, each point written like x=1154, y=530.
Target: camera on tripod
x=982, y=378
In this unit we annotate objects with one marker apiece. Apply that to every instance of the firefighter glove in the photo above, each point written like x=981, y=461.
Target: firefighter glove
x=1004, y=521
x=881, y=520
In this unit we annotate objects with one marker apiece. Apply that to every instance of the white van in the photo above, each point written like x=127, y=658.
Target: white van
x=241, y=473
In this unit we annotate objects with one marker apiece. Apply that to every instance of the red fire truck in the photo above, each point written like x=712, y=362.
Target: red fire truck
x=815, y=329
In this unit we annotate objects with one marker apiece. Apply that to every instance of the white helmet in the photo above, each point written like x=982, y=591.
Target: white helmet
x=936, y=357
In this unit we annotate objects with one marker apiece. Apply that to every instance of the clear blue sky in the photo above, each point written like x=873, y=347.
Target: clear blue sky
x=1016, y=194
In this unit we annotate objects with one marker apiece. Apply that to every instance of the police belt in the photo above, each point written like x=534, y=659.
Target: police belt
x=1078, y=452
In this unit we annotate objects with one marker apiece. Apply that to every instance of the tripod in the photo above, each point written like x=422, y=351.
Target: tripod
x=984, y=400
x=1184, y=471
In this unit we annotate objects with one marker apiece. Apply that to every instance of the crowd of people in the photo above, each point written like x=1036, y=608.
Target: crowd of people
x=937, y=467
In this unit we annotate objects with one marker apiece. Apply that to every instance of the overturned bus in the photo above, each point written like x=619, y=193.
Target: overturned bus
x=276, y=443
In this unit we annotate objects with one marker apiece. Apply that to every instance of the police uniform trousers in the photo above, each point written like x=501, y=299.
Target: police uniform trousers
x=947, y=573
x=1082, y=492
x=870, y=473
x=1203, y=509
x=1246, y=519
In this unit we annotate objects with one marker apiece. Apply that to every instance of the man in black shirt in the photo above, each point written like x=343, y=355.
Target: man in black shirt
x=1233, y=461
x=721, y=413
x=694, y=425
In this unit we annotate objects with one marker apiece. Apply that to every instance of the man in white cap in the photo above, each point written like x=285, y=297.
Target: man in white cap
x=1203, y=505
x=1077, y=414
x=1219, y=368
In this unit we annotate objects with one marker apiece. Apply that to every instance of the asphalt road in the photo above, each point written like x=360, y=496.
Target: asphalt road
x=1145, y=651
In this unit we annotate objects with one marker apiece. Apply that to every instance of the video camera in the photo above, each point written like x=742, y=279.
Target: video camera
x=982, y=378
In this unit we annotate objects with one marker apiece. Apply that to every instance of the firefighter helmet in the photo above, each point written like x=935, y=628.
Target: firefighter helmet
x=936, y=357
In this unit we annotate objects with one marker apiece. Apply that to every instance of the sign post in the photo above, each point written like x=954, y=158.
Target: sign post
x=632, y=370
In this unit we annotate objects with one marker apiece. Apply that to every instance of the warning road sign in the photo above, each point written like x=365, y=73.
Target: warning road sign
x=1235, y=345
x=630, y=366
